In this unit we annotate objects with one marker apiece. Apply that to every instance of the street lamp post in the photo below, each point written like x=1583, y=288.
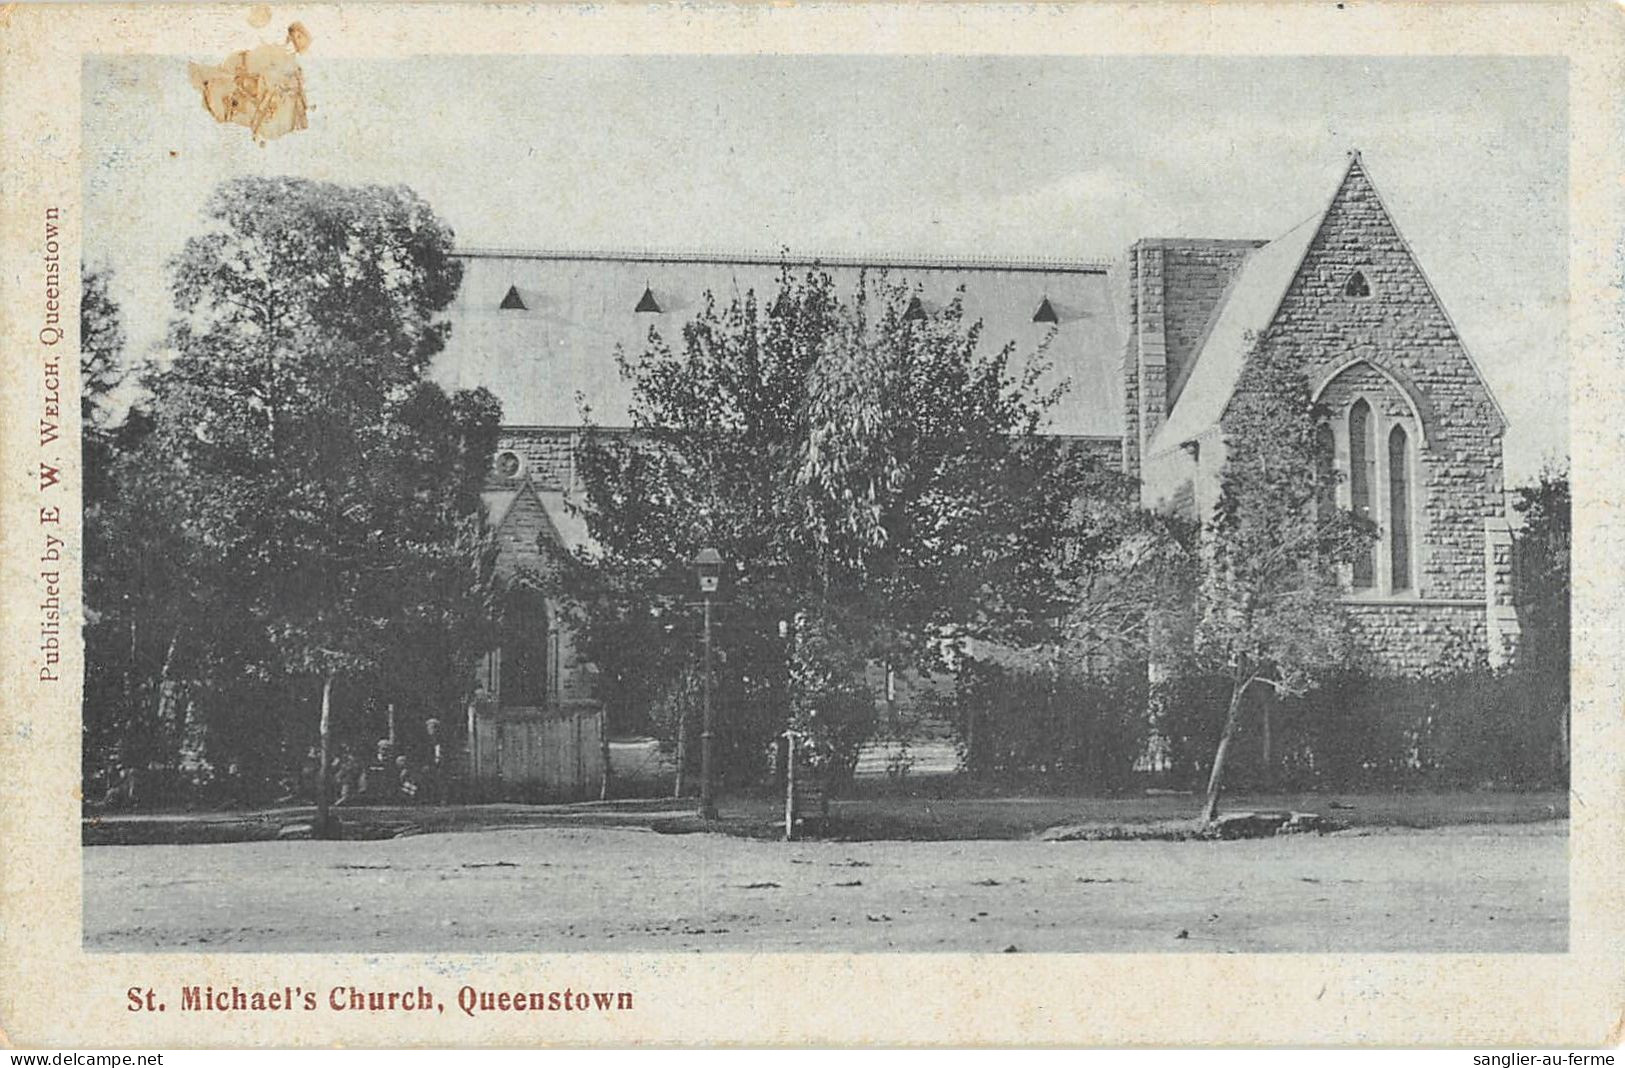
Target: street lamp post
x=708, y=566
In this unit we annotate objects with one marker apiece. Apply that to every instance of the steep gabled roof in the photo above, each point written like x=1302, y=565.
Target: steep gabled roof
x=568, y=525
x=568, y=529
x=497, y=505
x=547, y=361
x=1416, y=261
x=1249, y=307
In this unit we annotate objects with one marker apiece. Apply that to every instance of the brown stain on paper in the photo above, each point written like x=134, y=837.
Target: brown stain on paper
x=262, y=88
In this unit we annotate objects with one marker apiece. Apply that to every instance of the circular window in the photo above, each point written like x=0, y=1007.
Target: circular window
x=509, y=464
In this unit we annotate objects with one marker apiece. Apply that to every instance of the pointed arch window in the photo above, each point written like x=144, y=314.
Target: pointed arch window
x=1399, y=508
x=1362, y=480
x=1357, y=286
x=1326, y=469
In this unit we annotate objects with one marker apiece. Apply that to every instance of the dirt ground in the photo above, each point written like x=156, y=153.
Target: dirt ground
x=1485, y=888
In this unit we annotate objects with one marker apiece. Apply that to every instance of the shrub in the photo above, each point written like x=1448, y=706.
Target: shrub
x=1469, y=727
x=830, y=703
x=1089, y=728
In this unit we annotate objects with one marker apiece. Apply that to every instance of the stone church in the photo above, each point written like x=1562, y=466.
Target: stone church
x=1152, y=345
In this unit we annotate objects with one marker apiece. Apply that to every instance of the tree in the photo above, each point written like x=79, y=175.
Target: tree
x=101, y=350
x=878, y=474
x=1121, y=569
x=1268, y=612
x=108, y=683
x=134, y=571
x=1544, y=545
x=1080, y=666
x=328, y=488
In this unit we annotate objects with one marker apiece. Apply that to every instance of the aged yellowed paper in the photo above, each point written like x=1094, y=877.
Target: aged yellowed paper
x=999, y=159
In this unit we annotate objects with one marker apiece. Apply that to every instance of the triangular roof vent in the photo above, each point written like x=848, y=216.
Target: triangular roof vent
x=513, y=301
x=648, y=303
x=1045, y=312
x=915, y=312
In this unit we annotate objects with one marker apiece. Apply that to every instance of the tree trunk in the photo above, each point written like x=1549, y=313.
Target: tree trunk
x=171, y=724
x=130, y=672
x=973, y=758
x=1269, y=753
x=166, y=691
x=606, y=785
x=324, y=827
x=682, y=746
x=1215, y=781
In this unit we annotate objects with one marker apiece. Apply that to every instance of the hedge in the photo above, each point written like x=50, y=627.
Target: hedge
x=1468, y=729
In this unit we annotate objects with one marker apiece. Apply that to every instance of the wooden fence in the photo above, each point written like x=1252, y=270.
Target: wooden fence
x=536, y=753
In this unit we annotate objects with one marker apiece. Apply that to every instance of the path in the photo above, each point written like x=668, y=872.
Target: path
x=1478, y=889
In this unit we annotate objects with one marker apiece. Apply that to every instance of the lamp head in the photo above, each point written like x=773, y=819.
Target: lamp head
x=708, y=566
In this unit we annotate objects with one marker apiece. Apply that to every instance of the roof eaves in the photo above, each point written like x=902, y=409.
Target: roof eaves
x=1159, y=448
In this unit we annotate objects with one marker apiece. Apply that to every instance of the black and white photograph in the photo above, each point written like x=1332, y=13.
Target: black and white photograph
x=826, y=503
x=925, y=526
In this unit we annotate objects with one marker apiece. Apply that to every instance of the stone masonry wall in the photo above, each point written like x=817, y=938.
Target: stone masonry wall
x=1147, y=342
x=547, y=454
x=1402, y=329
x=524, y=540
x=1412, y=638
x=1131, y=365
x=1174, y=286
x=1500, y=567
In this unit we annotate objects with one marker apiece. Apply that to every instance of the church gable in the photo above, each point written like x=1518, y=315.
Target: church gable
x=1338, y=288
x=1361, y=294
x=1410, y=422
x=1415, y=430
x=527, y=539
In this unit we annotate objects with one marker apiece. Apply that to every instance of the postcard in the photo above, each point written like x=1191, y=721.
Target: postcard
x=837, y=525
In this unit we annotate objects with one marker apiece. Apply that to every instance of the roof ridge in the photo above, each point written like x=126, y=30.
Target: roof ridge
x=1206, y=242
x=759, y=257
